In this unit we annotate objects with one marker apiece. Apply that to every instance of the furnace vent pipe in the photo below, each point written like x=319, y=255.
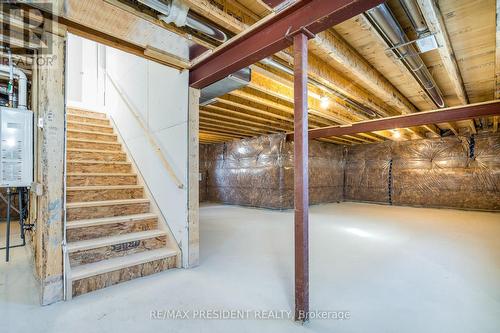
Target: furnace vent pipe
x=384, y=20
x=22, y=90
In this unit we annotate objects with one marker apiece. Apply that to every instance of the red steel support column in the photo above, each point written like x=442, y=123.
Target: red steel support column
x=301, y=182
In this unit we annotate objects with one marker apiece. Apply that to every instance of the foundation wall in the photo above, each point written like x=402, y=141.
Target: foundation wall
x=258, y=172
x=450, y=172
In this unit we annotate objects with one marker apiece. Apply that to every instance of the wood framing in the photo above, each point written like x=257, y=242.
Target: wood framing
x=114, y=26
x=435, y=21
x=49, y=230
x=193, y=179
x=321, y=71
x=272, y=3
x=271, y=35
x=331, y=47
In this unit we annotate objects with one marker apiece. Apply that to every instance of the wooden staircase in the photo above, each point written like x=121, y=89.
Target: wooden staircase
x=112, y=232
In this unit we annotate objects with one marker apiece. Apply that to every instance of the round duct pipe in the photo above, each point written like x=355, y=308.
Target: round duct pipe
x=196, y=23
x=365, y=111
x=415, y=15
x=390, y=29
x=176, y=12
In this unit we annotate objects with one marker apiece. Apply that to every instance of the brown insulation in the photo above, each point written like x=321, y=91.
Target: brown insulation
x=450, y=172
x=326, y=173
x=367, y=172
x=258, y=172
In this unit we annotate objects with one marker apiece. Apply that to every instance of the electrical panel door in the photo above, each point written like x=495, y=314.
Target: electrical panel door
x=16, y=147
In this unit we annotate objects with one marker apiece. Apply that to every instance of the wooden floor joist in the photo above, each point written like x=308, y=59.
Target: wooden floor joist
x=269, y=36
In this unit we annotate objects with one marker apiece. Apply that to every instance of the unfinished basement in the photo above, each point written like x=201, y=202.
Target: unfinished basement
x=250, y=165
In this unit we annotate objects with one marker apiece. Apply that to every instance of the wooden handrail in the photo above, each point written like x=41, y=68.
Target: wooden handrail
x=151, y=139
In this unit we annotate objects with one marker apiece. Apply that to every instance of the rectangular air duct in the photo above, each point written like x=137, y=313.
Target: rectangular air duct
x=232, y=82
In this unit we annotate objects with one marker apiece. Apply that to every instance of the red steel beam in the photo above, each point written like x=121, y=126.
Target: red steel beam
x=271, y=35
x=410, y=120
x=301, y=181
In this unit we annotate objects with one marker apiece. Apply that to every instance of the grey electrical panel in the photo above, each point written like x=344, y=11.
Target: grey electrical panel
x=16, y=147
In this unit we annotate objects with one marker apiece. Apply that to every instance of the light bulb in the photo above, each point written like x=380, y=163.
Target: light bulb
x=325, y=102
x=396, y=134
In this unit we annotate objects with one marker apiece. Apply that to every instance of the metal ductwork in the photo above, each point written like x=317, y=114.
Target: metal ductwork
x=198, y=24
x=413, y=12
x=390, y=29
x=234, y=81
x=176, y=12
x=364, y=111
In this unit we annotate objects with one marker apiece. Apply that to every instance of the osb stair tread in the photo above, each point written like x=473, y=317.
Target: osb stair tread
x=99, y=162
x=90, y=132
x=114, y=264
x=103, y=187
x=88, y=116
x=94, y=141
x=109, y=220
x=107, y=174
x=74, y=122
x=90, y=120
x=86, y=150
x=106, y=203
x=97, y=128
x=111, y=240
x=76, y=109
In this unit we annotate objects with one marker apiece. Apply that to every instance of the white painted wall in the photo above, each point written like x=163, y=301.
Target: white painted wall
x=85, y=80
x=160, y=95
x=74, y=69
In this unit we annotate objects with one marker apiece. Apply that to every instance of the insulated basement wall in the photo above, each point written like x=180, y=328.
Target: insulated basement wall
x=367, y=172
x=450, y=172
x=326, y=173
x=259, y=172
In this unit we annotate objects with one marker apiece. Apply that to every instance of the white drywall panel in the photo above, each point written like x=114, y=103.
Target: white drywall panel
x=160, y=96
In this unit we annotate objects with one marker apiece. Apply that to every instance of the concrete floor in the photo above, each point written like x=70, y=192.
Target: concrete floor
x=395, y=269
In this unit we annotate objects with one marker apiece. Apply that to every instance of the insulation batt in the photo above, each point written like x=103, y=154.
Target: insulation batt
x=451, y=172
